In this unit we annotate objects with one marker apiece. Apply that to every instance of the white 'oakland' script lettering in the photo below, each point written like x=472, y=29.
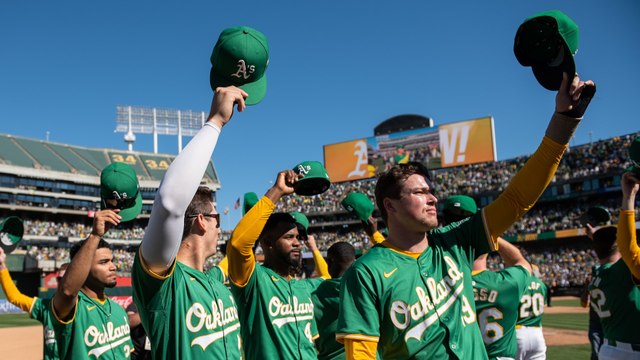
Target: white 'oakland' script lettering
x=443, y=294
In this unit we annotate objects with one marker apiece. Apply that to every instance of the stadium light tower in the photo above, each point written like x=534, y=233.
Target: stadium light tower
x=142, y=120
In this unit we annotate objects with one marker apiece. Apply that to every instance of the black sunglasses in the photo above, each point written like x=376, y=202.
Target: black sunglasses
x=215, y=216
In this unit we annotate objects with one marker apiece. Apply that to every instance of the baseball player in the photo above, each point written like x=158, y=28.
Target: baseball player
x=86, y=322
x=494, y=292
x=188, y=314
x=326, y=301
x=531, y=343
x=496, y=295
x=595, y=332
x=38, y=309
x=412, y=297
x=627, y=243
x=275, y=308
x=615, y=296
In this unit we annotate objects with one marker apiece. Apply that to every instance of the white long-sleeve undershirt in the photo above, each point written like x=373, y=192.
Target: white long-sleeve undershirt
x=164, y=232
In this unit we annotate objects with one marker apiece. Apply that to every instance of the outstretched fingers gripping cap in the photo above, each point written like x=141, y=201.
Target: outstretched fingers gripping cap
x=302, y=222
x=460, y=205
x=315, y=178
x=119, y=189
x=548, y=42
x=11, y=231
x=358, y=204
x=240, y=58
x=248, y=201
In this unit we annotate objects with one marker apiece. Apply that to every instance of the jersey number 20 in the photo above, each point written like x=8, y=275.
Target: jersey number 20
x=531, y=304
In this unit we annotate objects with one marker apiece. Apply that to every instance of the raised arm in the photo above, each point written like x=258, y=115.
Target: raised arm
x=321, y=265
x=531, y=181
x=242, y=261
x=626, y=239
x=14, y=295
x=64, y=300
x=511, y=255
x=371, y=229
x=164, y=233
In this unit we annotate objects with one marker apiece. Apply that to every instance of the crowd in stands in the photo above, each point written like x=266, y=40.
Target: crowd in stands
x=559, y=267
x=39, y=228
x=601, y=157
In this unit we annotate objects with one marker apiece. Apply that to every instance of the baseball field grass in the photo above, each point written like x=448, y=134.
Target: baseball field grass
x=566, y=302
x=562, y=352
x=578, y=321
x=13, y=320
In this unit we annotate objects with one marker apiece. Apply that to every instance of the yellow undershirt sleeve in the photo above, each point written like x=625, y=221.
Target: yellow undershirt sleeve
x=224, y=265
x=360, y=349
x=14, y=295
x=378, y=238
x=627, y=242
x=321, y=265
x=524, y=189
x=242, y=261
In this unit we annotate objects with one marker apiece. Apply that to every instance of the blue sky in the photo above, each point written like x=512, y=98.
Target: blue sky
x=337, y=69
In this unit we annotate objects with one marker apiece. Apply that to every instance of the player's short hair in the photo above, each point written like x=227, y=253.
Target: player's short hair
x=200, y=204
x=277, y=224
x=102, y=244
x=340, y=256
x=604, y=241
x=390, y=183
x=341, y=252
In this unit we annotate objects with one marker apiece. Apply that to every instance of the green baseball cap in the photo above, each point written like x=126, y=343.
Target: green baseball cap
x=315, y=180
x=11, y=231
x=248, y=200
x=460, y=205
x=634, y=156
x=118, y=181
x=240, y=58
x=548, y=42
x=358, y=204
x=302, y=221
x=595, y=216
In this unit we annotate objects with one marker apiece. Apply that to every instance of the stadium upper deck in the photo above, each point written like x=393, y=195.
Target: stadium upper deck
x=43, y=176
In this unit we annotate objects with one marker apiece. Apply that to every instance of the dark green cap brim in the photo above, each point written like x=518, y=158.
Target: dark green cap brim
x=11, y=230
x=131, y=213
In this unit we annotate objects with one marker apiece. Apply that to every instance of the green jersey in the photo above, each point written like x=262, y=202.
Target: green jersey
x=417, y=308
x=326, y=305
x=276, y=315
x=41, y=311
x=616, y=300
x=188, y=314
x=496, y=295
x=532, y=303
x=216, y=273
x=97, y=330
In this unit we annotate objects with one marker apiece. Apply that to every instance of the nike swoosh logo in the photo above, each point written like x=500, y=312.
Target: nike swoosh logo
x=91, y=307
x=274, y=278
x=388, y=274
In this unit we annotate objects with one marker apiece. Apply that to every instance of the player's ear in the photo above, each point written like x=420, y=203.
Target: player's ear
x=388, y=205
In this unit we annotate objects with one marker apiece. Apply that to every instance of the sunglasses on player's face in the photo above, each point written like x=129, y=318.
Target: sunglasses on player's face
x=215, y=216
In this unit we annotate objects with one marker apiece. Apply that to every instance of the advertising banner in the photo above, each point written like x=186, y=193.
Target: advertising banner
x=449, y=145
